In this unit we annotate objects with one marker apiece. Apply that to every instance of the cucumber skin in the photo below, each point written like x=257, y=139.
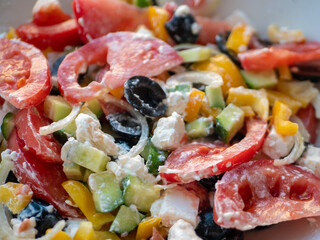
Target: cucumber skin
x=257, y=80
x=7, y=125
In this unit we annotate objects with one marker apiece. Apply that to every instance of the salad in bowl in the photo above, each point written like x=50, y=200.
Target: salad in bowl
x=150, y=120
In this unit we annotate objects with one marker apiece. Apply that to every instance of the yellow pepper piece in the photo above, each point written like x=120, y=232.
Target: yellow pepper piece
x=257, y=99
x=85, y=232
x=284, y=35
x=222, y=65
x=15, y=196
x=281, y=114
x=284, y=73
x=146, y=226
x=157, y=18
x=194, y=105
x=12, y=33
x=60, y=235
x=118, y=92
x=83, y=198
x=239, y=38
x=207, y=111
x=102, y=235
x=293, y=104
x=248, y=111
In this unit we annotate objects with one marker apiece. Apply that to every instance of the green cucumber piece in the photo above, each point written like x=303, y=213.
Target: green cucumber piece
x=259, y=79
x=73, y=171
x=181, y=88
x=139, y=193
x=86, y=156
x=126, y=220
x=60, y=136
x=142, y=3
x=106, y=191
x=200, y=127
x=56, y=107
x=94, y=106
x=196, y=54
x=229, y=122
x=86, y=175
x=7, y=125
x=145, y=152
x=156, y=158
x=215, y=98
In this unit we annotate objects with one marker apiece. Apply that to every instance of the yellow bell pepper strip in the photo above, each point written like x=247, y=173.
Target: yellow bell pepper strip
x=157, y=18
x=222, y=65
x=194, y=104
x=12, y=33
x=15, y=196
x=207, y=111
x=248, y=111
x=146, y=226
x=293, y=104
x=60, y=235
x=83, y=198
x=85, y=232
x=117, y=92
x=284, y=35
x=102, y=235
x=281, y=114
x=239, y=38
x=257, y=99
x=284, y=73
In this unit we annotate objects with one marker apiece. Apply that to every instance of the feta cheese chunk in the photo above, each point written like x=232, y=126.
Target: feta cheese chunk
x=182, y=230
x=175, y=204
x=25, y=228
x=177, y=102
x=89, y=130
x=311, y=159
x=277, y=146
x=169, y=132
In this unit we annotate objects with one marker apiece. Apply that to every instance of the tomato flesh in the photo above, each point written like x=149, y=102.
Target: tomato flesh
x=45, y=147
x=45, y=179
x=196, y=161
x=24, y=74
x=308, y=117
x=259, y=193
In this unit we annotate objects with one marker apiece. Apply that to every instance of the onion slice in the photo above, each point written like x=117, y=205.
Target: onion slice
x=55, y=126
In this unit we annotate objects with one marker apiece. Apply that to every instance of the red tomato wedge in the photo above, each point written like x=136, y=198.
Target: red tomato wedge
x=56, y=36
x=45, y=147
x=196, y=161
x=258, y=193
x=45, y=179
x=279, y=55
x=308, y=117
x=127, y=54
x=46, y=13
x=24, y=74
x=107, y=16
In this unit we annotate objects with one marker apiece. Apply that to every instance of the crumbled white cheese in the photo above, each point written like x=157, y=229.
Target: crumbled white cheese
x=195, y=28
x=89, y=130
x=72, y=227
x=169, y=132
x=182, y=230
x=176, y=203
x=311, y=159
x=182, y=10
x=177, y=102
x=44, y=4
x=25, y=228
x=277, y=146
x=238, y=17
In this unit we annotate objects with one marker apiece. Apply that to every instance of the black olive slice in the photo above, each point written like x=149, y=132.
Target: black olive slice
x=124, y=125
x=145, y=95
x=306, y=72
x=221, y=43
x=210, y=182
x=207, y=229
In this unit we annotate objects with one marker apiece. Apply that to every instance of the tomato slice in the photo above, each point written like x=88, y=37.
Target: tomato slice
x=107, y=16
x=45, y=147
x=279, y=55
x=308, y=117
x=56, y=36
x=45, y=179
x=24, y=74
x=196, y=161
x=259, y=193
x=139, y=56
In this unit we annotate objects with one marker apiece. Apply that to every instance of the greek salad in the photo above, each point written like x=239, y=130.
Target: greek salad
x=146, y=119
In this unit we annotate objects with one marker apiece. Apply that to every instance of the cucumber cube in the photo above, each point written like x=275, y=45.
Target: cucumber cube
x=196, y=54
x=259, y=79
x=215, y=98
x=73, y=171
x=200, y=127
x=56, y=107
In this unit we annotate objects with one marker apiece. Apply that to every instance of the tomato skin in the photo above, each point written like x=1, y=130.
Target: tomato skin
x=45, y=147
x=24, y=74
x=308, y=117
x=259, y=193
x=56, y=36
x=201, y=192
x=201, y=161
x=45, y=179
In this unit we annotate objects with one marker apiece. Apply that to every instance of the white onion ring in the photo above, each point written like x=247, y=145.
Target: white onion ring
x=135, y=150
x=55, y=126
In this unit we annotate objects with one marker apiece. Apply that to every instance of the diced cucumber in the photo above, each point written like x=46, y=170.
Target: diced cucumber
x=196, y=54
x=73, y=171
x=56, y=107
x=214, y=96
x=86, y=156
x=94, y=106
x=139, y=193
x=106, y=191
x=142, y=3
x=229, y=122
x=181, y=88
x=7, y=125
x=200, y=127
x=86, y=175
x=126, y=220
x=259, y=79
x=145, y=152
